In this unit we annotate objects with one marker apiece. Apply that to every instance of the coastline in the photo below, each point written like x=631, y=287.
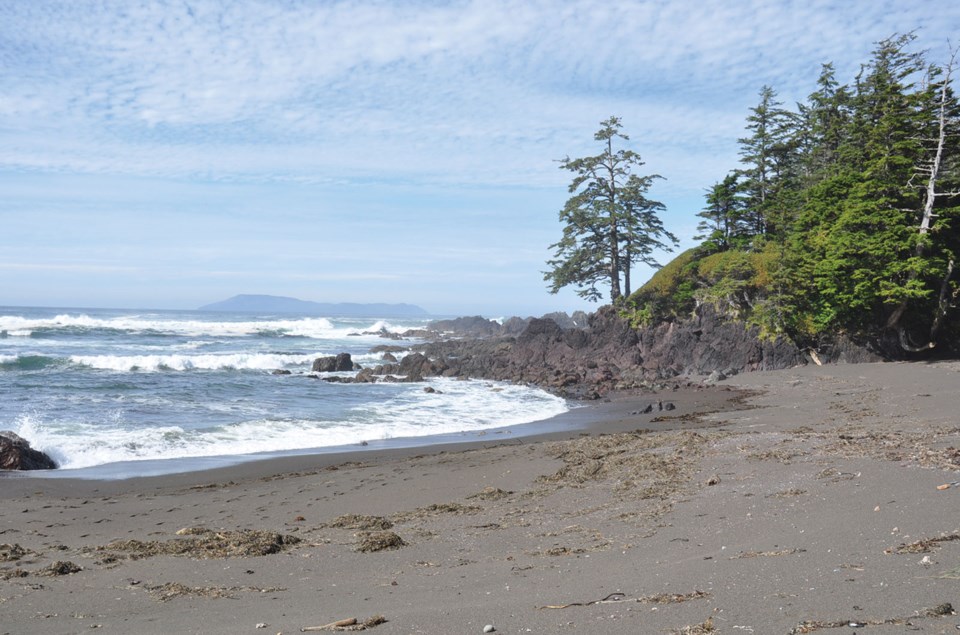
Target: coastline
x=815, y=506
x=616, y=413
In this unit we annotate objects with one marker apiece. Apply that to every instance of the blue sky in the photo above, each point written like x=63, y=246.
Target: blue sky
x=172, y=154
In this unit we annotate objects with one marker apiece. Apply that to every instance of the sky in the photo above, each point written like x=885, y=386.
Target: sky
x=170, y=154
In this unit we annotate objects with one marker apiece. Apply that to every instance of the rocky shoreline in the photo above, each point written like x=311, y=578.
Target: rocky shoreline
x=579, y=357
x=584, y=357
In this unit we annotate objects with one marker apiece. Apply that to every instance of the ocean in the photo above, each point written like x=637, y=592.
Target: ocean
x=121, y=393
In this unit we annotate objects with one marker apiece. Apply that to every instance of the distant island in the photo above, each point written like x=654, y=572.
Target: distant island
x=278, y=304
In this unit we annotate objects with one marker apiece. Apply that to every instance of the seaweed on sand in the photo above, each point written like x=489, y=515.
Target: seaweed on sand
x=206, y=544
x=372, y=541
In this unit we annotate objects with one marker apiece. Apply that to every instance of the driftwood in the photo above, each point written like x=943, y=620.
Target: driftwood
x=350, y=621
x=349, y=624
x=662, y=598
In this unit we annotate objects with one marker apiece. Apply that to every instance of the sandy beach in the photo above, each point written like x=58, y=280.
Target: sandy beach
x=794, y=501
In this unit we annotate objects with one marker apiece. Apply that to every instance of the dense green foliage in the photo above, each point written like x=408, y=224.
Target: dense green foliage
x=609, y=224
x=843, y=216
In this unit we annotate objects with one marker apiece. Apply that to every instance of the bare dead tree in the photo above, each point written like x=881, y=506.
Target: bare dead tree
x=933, y=173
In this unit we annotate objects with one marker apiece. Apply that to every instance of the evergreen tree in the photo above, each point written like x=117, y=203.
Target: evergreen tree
x=844, y=216
x=826, y=118
x=937, y=177
x=723, y=217
x=641, y=230
x=869, y=248
x=609, y=224
x=766, y=154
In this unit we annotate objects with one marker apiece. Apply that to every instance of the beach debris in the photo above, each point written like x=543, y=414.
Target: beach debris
x=787, y=493
x=197, y=542
x=767, y=554
x=350, y=621
x=60, y=567
x=634, y=458
x=489, y=628
x=171, y=590
x=924, y=545
x=261, y=625
x=948, y=485
x=835, y=475
x=11, y=553
x=361, y=522
x=559, y=551
x=713, y=480
x=348, y=624
x=659, y=598
x=697, y=629
x=436, y=510
x=372, y=541
x=810, y=626
x=490, y=494
x=16, y=573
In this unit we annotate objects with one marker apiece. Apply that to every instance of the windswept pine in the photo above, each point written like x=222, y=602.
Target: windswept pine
x=609, y=223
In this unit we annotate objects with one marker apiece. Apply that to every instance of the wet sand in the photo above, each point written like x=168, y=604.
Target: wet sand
x=808, y=504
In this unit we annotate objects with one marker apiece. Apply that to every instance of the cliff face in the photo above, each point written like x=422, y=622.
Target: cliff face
x=708, y=342
x=608, y=353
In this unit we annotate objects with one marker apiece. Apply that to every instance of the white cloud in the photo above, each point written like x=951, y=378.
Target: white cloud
x=362, y=96
x=484, y=91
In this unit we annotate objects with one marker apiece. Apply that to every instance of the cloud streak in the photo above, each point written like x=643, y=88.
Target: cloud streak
x=416, y=90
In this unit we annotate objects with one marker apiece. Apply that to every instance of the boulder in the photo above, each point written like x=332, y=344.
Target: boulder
x=340, y=363
x=16, y=454
x=470, y=326
x=514, y=325
x=387, y=348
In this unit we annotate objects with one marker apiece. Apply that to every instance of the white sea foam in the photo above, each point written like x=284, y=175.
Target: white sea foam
x=236, y=361
x=316, y=327
x=458, y=407
x=471, y=405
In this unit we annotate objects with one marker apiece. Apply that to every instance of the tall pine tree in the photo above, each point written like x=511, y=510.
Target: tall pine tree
x=609, y=224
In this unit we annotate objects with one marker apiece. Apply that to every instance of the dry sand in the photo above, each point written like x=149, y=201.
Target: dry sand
x=811, y=504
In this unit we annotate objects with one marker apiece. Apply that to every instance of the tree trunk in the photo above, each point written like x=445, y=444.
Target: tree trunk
x=628, y=257
x=930, y=198
x=614, y=234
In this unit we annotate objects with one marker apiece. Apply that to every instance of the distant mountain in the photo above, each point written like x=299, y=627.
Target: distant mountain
x=280, y=304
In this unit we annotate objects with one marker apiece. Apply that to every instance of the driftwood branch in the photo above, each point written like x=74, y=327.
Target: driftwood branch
x=662, y=598
x=349, y=624
x=350, y=621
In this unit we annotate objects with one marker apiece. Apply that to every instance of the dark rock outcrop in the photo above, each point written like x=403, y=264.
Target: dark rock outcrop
x=472, y=326
x=479, y=327
x=16, y=454
x=709, y=342
x=340, y=363
x=609, y=354
x=588, y=360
